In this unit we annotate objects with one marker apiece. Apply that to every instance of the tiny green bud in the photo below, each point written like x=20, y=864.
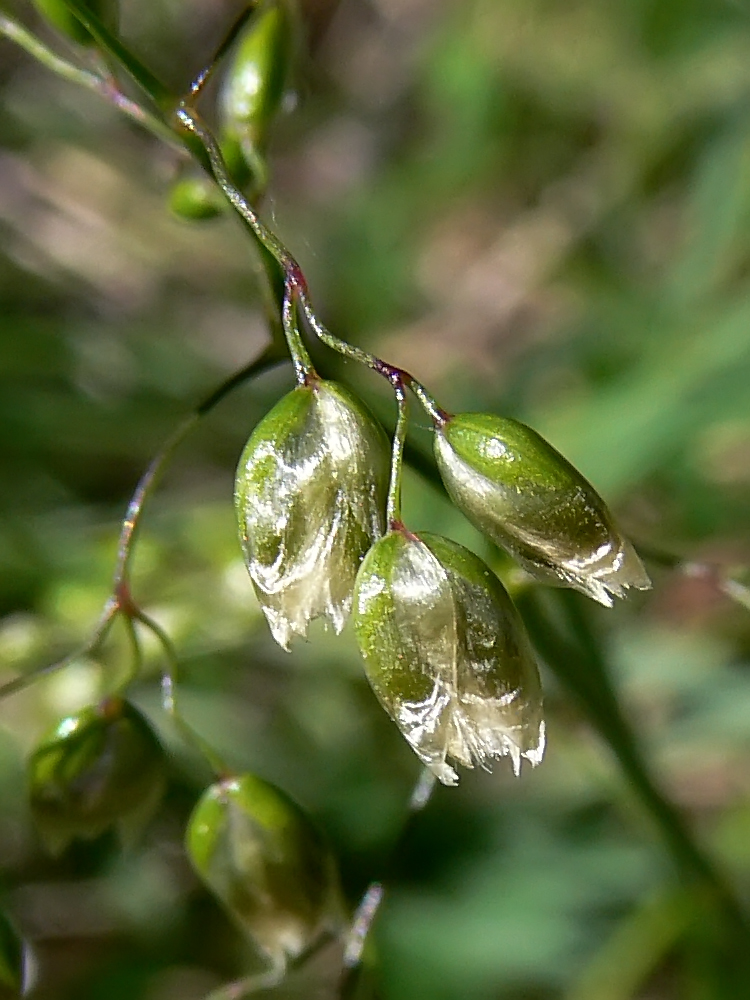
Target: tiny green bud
x=102, y=767
x=519, y=491
x=196, y=198
x=447, y=654
x=310, y=497
x=62, y=17
x=261, y=855
x=256, y=79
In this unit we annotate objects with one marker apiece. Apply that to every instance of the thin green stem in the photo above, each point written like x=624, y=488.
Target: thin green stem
x=136, y=664
x=204, y=76
x=109, y=42
x=159, y=462
x=104, y=86
x=189, y=119
x=89, y=648
x=16, y=32
x=294, y=281
x=303, y=366
x=146, y=485
x=169, y=696
x=712, y=572
x=391, y=372
x=295, y=285
x=393, y=509
x=295, y=293
x=120, y=600
x=370, y=903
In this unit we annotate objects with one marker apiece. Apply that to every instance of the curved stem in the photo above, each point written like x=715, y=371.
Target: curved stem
x=369, y=905
x=104, y=86
x=169, y=696
x=99, y=634
x=111, y=44
x=393, y=509
x=303, y=366
x=120, y=600
x=189, y=119
x=150, y=477
x=295, y=290
x=294, y=281
x=137, y=654
x=205, y=74
x=295, y=285
x=713, y=572
x=391, y=372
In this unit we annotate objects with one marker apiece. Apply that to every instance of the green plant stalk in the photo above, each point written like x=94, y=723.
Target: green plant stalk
x=204, y=76
x=436, y=413
x=148, y=481
x=153, y=87
x=169, y=697
x=371, y=901
x=103, y=86
x=295, y=285
x=393, y=509
x=120, y=601
x=282, y=270
x=89, y=648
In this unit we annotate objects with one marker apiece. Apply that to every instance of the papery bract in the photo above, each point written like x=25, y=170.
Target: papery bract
x=267, y=863
x=99, y=768
x=522, y=493
x=447, y=654
x=310, y=497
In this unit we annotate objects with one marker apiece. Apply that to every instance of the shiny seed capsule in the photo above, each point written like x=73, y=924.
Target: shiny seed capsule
x=519, y=491
x=447, y=654
x=310, y=498
x=100, y=768
x=264, y=859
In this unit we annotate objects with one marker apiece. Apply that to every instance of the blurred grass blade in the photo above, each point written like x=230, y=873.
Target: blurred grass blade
x=623, y=965
x=143, y=76
x=560, y=628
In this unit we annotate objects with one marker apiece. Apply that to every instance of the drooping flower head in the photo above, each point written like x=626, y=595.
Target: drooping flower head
x=520, y=492
x=310, y=498
x=446, y=654
x=102, y=767
x=268, y=864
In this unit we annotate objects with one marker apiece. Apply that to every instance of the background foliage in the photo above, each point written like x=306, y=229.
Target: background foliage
x=541, y=209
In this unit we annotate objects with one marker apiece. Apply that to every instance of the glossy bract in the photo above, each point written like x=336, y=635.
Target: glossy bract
x=447, y=654
x=310, y=498
x=102, y=767
x=522, y=493
x=265, y=860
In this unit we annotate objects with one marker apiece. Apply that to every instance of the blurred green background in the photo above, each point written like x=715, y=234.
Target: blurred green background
x=541, y=209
